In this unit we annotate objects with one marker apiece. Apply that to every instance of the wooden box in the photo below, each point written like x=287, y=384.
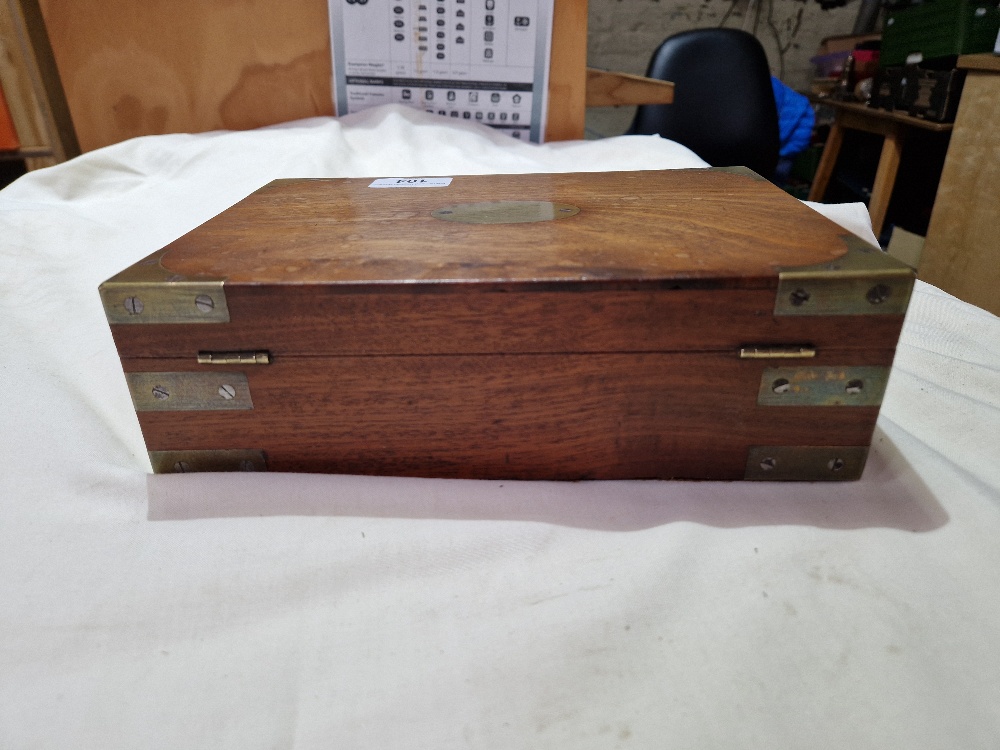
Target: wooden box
x=696, y=324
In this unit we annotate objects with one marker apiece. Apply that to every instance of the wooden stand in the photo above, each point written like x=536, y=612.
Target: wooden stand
x=607, y=89
x=892, y=127
x=33, y=92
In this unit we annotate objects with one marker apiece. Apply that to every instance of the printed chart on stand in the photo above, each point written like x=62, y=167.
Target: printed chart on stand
x=481, y=60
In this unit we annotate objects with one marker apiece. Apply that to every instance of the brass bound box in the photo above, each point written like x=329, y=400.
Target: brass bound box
x=696, y=324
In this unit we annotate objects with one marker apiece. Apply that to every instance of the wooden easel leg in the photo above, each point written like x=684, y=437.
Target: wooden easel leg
x=568, y=71
x=885, y=177
x=827, y=162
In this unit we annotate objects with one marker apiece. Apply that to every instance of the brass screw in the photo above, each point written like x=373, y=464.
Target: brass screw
x=854, y=386
x=781, y=386
x=836, y=464
x=182, y=467
x=799, y=297
x=879, y=294
x=161, y=393
x=768, y=464
x=134, y=305
x=227, y=392
x=204, y=303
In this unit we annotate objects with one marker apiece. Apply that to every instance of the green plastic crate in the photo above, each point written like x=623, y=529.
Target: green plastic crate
x=939, y=28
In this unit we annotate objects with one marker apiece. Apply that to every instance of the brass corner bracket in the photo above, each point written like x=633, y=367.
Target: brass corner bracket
x=864, y=281
x=148, y=293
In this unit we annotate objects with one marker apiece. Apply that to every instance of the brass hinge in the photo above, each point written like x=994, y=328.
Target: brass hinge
x=148, y=293
x=183, y=462
x=822, y=386
x=189, y=391
x=234, y=358
x=798, y=463
x=864, y=281
x=777, y=352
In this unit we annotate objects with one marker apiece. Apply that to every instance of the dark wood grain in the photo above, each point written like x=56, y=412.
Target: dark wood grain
x=594, y=416
x=632, y=226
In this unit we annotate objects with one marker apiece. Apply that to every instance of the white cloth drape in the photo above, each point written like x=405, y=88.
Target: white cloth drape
x=281, y=611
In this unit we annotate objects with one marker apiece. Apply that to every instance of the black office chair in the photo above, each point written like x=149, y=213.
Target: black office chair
x=723, y=106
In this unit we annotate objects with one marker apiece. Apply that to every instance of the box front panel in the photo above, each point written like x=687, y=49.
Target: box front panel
x=569, y=327
x=608, y=416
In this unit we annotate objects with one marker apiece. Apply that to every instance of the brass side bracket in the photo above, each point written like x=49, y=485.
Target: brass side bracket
x=864, y=281
x=148, y=293
x=189, y=391
x=797, y=463
x=822, y=386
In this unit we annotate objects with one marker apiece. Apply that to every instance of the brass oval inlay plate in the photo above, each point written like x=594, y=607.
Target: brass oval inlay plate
x=505, y=212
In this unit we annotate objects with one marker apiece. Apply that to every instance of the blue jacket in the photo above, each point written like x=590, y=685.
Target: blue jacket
x=795, y=118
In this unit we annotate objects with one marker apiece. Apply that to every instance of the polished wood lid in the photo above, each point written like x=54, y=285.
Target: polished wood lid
x=630, y=227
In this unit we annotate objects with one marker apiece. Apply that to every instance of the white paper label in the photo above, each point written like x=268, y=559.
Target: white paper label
x=411, y=182
x=482, y=61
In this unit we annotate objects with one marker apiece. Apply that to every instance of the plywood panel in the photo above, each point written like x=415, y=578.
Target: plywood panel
x=962, y=252
x=568, y=71
x=134, y=69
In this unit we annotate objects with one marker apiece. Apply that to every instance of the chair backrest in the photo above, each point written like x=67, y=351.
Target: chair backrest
x=724, y=107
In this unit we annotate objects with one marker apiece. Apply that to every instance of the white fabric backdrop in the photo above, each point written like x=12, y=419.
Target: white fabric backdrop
x=281, y=611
